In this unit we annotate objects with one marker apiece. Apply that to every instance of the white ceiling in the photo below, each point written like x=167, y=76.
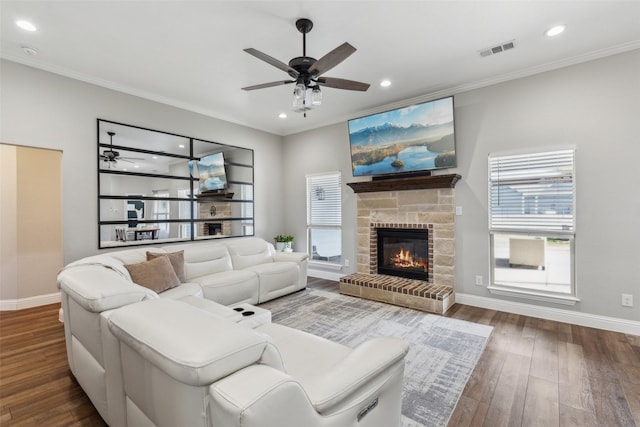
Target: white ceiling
x=190, y=53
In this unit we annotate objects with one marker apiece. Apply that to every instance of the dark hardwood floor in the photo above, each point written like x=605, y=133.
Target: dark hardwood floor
x=532, y=372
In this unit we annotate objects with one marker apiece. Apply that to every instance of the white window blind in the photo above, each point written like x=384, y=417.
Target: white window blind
x=324, y=200
x=532, y=192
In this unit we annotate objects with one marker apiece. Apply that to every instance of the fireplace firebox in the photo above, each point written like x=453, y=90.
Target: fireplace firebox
x=403, y=252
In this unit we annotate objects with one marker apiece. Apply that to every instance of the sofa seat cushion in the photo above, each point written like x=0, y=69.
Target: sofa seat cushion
x=182, y=291
x=304, y=356
x=194, y=347
x=276, y=278
x=213, y=308
x=230, y=287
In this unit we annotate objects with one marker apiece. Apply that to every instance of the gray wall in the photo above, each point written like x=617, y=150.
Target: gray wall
x=42, y=109
x=594, y=106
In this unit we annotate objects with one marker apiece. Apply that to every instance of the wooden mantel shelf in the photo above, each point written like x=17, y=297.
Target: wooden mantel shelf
x=410, y=183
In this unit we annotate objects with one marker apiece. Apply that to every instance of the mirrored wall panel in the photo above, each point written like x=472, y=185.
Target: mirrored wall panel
x=156, y=187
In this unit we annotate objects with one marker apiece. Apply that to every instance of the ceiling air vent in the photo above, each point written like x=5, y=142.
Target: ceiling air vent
x=497, y=49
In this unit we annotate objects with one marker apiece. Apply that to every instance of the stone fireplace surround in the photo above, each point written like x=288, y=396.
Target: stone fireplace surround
x=418, y=202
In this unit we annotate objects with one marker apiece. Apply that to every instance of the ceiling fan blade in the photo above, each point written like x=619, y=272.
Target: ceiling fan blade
x=271, y=84
x=343, y=84
x=273, y=61
x=331, y=59
x=130, y=158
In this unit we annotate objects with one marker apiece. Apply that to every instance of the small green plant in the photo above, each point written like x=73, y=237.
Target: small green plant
x=283, y=238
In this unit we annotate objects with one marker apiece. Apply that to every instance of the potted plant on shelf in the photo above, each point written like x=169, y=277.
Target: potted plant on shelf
x=284, y=243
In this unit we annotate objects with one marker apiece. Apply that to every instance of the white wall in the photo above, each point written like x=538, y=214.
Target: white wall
x=42, y=109
x=594, y=106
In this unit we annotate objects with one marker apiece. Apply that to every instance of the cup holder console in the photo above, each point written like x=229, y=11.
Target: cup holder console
x=244, y=312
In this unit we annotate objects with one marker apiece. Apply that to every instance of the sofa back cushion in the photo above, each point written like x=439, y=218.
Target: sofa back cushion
x=249, y=252
x=201, y=259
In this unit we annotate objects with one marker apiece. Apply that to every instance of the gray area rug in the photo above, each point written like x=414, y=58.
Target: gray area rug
x=443, y=352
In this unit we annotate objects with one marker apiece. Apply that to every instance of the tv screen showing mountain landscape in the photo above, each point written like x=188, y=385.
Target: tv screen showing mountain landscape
x=414, y=138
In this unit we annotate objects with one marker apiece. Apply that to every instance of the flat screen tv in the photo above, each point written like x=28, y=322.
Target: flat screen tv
x=411, y=139
x=211, y=173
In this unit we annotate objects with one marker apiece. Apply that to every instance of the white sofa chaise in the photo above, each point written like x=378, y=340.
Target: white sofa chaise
x=218, y=273
x=185, y=367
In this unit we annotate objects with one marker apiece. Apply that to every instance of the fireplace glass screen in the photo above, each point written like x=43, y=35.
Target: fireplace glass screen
x=403, y=253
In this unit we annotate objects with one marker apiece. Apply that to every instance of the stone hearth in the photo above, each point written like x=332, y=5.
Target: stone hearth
x=420, y=206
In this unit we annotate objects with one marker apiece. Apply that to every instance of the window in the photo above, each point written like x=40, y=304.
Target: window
x=532, y=224
x=324, y=218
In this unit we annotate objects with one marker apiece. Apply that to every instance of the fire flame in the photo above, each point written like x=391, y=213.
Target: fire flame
x=404, y=259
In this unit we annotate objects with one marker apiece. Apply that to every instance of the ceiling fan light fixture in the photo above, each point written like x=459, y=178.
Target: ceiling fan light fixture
x=299, y=92
x=305, y=72
x=316, y=96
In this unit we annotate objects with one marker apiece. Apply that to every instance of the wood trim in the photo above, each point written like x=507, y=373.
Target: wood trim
x=401, y=184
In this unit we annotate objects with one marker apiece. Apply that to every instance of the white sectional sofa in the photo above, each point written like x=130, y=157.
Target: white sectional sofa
x=220, y=374
x=217, y=273
x=186, y=357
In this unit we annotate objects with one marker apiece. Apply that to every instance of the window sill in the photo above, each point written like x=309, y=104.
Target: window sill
x=533, y=295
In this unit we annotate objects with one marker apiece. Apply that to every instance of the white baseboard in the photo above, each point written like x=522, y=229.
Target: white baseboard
x=19, y=304
x=566, y=316
x=323, y=274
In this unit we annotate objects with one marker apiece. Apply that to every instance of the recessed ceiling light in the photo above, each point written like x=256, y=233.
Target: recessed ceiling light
x=554, y=31
x=282, y=115
x=181, y=145
x=26, y=25
x=136, y=166
x=385, y=83
x=154, y=157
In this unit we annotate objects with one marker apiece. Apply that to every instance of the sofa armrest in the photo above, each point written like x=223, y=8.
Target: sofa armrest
x=290, y=256
x=365, y=364
x=193, y=346
x=97, y=289
x=254, y=397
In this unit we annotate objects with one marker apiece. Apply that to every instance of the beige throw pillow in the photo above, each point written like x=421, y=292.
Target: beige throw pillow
x=157, y=274
x=177, y=261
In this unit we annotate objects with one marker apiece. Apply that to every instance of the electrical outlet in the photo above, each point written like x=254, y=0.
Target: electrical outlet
x=627, y=300
x=458, y=210
x=479, y=280
x=346, y=263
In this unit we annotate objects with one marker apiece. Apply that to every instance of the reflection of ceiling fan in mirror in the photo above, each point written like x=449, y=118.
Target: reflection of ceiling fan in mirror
x=111, y=156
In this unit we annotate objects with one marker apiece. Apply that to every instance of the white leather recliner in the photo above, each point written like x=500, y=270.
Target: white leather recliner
x=189, y=367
